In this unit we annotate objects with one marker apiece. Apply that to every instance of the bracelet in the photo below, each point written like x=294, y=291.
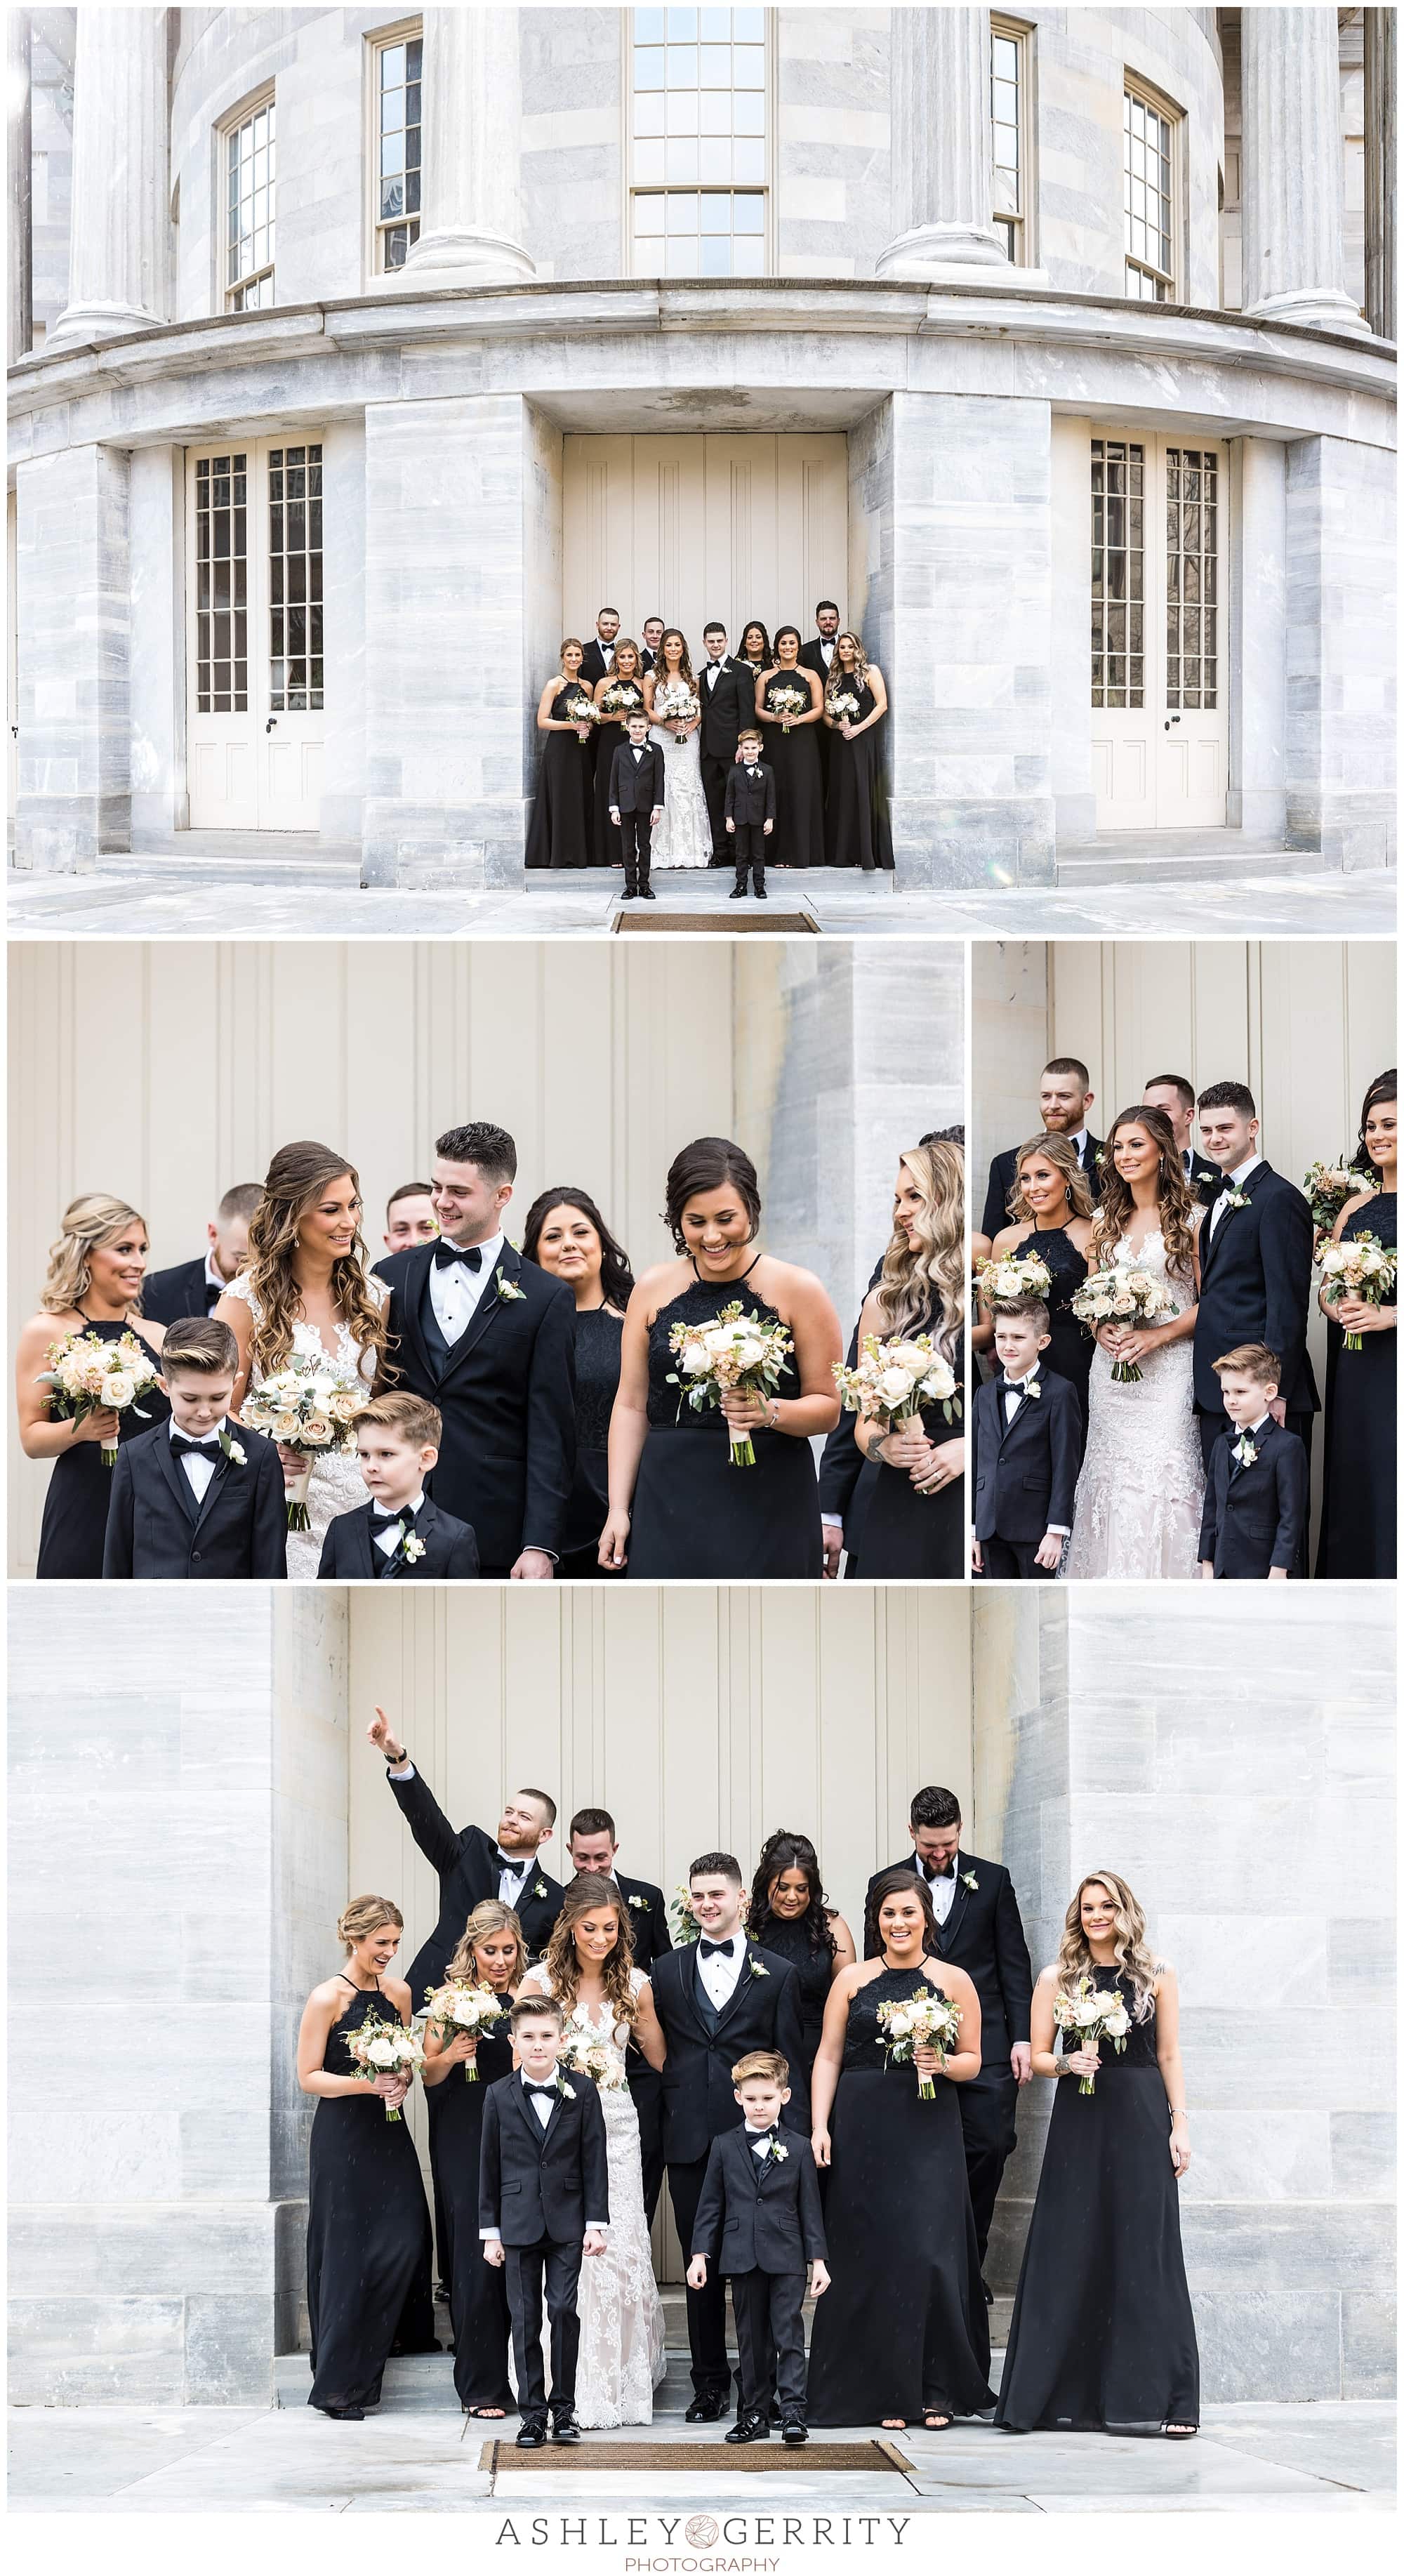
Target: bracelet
x=1178, y=2115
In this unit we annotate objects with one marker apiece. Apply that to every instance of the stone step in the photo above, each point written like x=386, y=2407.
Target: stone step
x=1146, y=867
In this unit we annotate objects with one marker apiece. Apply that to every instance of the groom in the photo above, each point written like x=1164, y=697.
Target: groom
x=1254, y=1274
x=716, y=2000
x=727, y=692
x=978, y=1914
x=490, y=1340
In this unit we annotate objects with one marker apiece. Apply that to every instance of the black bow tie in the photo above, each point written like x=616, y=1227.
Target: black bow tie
x=718, y=1949
x=388, y=1520
x=201, y=1448
x=947, y=1872
x=759, y=2137
x=518, y=1868
x=551, y=2091
x=446, y=1254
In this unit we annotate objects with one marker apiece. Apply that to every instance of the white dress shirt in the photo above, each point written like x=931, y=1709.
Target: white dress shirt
x=1232, y=1181
x=214, y=1277
x=760, y=2141
x=454, y=1294
x=940, y=1890
x=200, y=1469
x=712, y=674
x=1250, y=1431
x=719, y=1974
x=828, y=649
x=607, y=650
x=513, y=1870
x=388, y=1538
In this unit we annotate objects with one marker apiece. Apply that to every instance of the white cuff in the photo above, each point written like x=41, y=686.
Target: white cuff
x=401, y=1770
x=831, y=1520
x=597, y=2227
x=1056, y=1529
x=490, y=2235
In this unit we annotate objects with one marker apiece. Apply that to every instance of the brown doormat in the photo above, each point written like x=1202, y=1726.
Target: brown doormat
x=787, y=924
x=701, y=2459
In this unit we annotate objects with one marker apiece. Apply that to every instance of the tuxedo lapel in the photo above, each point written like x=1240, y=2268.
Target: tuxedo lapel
x=488, y=1305
x=1259, y=1173
x=949, y=1928
x=361, y=1541
x=689, y=1964
x=224, y=1468
x=528, y=2118
x=737, y=1991
x=176, y=1478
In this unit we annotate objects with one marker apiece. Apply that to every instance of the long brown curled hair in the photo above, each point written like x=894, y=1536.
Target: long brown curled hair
x=295, y=1179
x=590, y=1893
x=923, y=1274
x=1177, y=1207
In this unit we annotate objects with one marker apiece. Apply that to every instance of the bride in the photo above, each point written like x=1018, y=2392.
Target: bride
x=307, y=1293
x=1141, y=1490
x=684, y=837
x=587, y=1968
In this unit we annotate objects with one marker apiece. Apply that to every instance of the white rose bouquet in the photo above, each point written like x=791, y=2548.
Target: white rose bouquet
x=735, y=1354
x=310, y=1406
x=382, y=2048
x=620, y=696
x=1330, y=1187
x=788, y=702
x=1093, y=2013
x=581, y=708
x=1123, y=1296
x=841, y=703
x=86, y=1375
x=893, y=1380
x=922, y=2019
x=454, y=2007
x=1364, y=1268
x=586, y=2052
x=674, y=703
x=1019, y=1274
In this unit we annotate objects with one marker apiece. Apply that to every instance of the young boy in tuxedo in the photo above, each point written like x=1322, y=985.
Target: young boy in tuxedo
x=750, y=812
x=400, y=1532
x=197, y=1499
x=760, y=2215
x=636, y=802
x=543, y=2205
x=1256, y=1487
x=1027, y=1428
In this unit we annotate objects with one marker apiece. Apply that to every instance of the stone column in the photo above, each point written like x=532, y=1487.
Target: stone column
x=941, y=151
x=1381, y=109
x=72, y=599
x=471, y=218
x=1293, y=181
x=1257, y=799
x=21, y=316
x=119, y=240
x=1340, y=651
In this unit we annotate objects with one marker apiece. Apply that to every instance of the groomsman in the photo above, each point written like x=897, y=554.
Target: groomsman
x=1171, y=1093
x=490, y=1340
x=409, y=1218
x=652, y=645
x=727, y=692
x=593, y=1845
x=818, y=656
x=1065, y=1095
x=978, y=1912
x=1254, y=1274
x=196, y=1287
x=597, y=660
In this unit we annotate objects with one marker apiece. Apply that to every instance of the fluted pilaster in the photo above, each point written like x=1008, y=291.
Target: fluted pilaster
x=941, y=149
x=1293, y=263
x=119, y=240
x=471, y=222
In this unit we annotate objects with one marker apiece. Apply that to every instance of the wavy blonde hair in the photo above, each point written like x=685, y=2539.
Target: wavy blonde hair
x=364, y=1915
x=489, y=1915
x=837, y=674
x=295, y=1180
x=1114, y=1208
x=589, y=1893
x=1061, y=1151
x=85, y=1225
x=1132, y=1956
x=923, y=1274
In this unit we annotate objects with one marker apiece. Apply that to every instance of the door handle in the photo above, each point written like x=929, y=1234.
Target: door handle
x=270, y=724
x=1169, y=721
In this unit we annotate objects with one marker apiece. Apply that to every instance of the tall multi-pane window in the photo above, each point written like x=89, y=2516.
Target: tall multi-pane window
x=1118, y=572
x=295, y=578
x=1148, y=195
x=222, y=584
x=697, y=91
x=250, y=183
x=1008, y=103
x=399, y=66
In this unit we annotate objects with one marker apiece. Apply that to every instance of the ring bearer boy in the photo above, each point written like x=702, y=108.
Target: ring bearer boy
x=543, y=2206
x=1256, y=1487
x=750, y=812
x=1028, y=1441
x=760, y=2215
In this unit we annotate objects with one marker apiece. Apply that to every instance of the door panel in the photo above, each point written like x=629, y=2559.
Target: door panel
x=1159, y=641
x=255, y=695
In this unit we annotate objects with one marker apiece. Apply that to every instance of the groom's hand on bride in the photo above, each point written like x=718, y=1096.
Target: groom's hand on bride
x=594, y=2241
x=532, y=1566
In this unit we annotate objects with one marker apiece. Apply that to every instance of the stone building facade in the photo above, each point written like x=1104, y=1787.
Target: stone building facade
x=1035, y=339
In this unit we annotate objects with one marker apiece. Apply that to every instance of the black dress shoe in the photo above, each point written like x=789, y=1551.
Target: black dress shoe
x=345, y=2414
x=709, y=2407
x=565, y=2429
x=532, y=2437
x=647, y=895
x=749, y=2428
x=738, y=894
x=792, y=2432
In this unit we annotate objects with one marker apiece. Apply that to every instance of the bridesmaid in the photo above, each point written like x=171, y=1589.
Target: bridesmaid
x=566, y=1234
x=1102, y=2339
x=692, y=1512
x=368, y=2236
x=616, y=696
x=1358, y=1501
x=562, y=816
x=787, y=1914
x=492, y=1953
x=792, y=749
x=754, y=651
x=912, y=1503
x=1053, y=1212
x=93, y=1285
x=856, y=829
x=903, y=2333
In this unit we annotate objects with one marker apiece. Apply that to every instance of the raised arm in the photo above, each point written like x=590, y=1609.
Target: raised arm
x=427, y=1822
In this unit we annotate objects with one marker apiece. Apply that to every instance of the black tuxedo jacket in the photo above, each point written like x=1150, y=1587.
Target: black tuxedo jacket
x=983, y=1935
x=699, y=2097
x=593, y=666
x=349, y=1556
x=1204, y=1179
x=170, y=1296
x=1255, y=1286
x=725, y=707
x=466, y=1863
x=843, y=1462
x=1002, y=1171
x=156, y=1532
x=636, y=786
x=1254, y=1516
x=506, y=1390
x=648, y=1920
x=750, y=800
x=811, y=658
x=759, y=2217
x=1026, y=1470
x=536, y=2183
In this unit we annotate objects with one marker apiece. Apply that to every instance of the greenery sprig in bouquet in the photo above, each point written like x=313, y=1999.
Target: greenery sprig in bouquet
x=893, y=1380
x=86, y=1375
x=1014, y=1276
x=1123, y=1296
x=735, y=1354
x=309, y=1408
x=457, y=2006
x=382, y=2047
x=1362, y=1267
x=1090, y=2014
x=922, y=2019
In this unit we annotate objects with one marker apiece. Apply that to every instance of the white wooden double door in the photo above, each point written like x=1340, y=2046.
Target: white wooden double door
x=255, y=657
x=1159, y=639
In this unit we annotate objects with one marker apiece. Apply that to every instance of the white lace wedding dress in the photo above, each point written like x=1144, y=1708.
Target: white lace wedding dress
x=336, y=1485
x=684, y=837
x=1141, y=1490
x=622, y=2344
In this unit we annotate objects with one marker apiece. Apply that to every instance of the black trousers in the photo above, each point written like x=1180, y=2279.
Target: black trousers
x=987, y=2121
x=769, y=2312
x=636, y=833
x=558, y=2267
x=715, y=774
x=1011, y=1560
x=706, y=2309
x=646, y=2093
x=1213, y=1426
x=748, y=851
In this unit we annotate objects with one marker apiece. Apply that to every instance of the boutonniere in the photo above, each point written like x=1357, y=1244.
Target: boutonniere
x=757, y=1970
x=1245, y=1451
x=641, y=1903
x=413, y=1548
x=508, y=1289
x=541, y=1888
x=1234, y=1198
x=1032, y=1389
x=969, y=1879
x=236, y=1455
x=774, y=2148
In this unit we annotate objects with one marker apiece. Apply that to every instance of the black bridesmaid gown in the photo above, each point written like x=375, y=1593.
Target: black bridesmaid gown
x=1102, y=2339
x=1070, y=1347
x=562, y=822
x=368, y=2237
x=74, y=1526
x=608, y=846
x=904, y=2329
x=694, y=1514
x=790, y=1940
x=1358, y=1491
x=857, y=833
x=477, y=2293
x=598, y=1336
x=907, y=1537
x=798, y=838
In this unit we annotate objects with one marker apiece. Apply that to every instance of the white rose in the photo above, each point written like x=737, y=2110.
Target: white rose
x=696, y=1361
x=750, y=1351
x=118, y=1389
x=381, y=2052
x=895, y=1385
